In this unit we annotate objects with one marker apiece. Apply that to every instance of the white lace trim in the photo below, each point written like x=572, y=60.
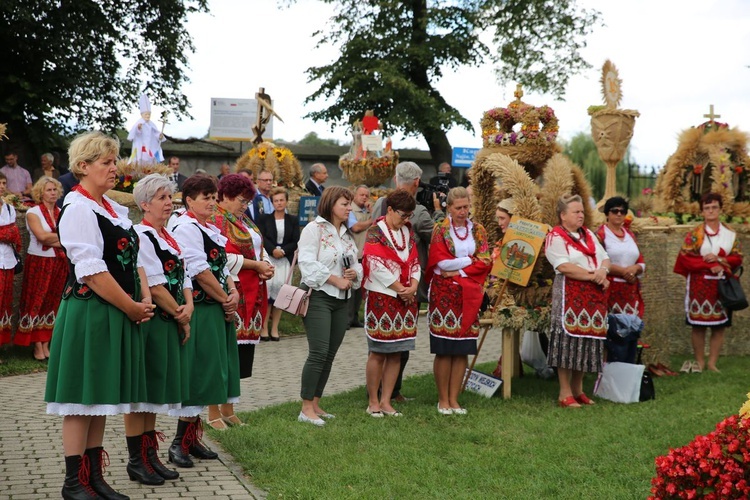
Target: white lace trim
x=186, y=411
x=159, y=279
x=90, y=267
x=65, y=409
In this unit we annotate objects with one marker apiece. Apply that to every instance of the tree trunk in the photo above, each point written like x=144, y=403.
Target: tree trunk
x=437, y=142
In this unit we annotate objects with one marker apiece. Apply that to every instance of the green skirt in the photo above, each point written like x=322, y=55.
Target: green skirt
x=210, y=358
x=163, y=369
x=96, y=364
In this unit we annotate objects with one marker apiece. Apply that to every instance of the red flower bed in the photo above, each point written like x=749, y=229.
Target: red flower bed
x=715, y=466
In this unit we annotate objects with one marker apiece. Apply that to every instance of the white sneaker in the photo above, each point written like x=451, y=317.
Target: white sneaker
x=315, y=421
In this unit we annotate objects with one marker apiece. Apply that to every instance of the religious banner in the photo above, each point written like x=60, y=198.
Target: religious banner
x=522, y=245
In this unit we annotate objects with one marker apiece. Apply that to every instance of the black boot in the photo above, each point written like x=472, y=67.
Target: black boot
x=139, y=469
x=197, y=448
x=151, y=440
x=179, y=451
x=99, y=459
x=77, y=486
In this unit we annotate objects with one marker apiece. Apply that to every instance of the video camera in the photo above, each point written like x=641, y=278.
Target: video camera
x=424, y=196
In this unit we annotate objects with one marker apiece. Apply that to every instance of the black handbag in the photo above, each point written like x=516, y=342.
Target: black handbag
x=731, y=294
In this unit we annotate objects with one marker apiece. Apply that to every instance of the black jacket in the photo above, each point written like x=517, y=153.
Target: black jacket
x=267, y=226
x=312, y=188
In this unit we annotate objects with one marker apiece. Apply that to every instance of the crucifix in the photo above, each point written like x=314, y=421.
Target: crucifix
x=265, y=112
x=711, y=114
x=518, y=94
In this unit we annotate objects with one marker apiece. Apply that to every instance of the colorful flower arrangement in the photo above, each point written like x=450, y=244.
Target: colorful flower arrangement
x=128, y=174
x=713, y=466
x=497, y=125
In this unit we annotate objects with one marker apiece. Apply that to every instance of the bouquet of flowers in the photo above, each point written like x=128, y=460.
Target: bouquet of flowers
x=714, y=466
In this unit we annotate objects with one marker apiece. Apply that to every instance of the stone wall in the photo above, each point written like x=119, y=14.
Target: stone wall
x=664, y=296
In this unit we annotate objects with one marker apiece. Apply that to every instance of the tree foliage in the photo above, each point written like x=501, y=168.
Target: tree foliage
x=394, y=52
x=68, y=65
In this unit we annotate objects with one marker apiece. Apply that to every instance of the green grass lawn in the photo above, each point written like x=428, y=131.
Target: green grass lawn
x=524, y=448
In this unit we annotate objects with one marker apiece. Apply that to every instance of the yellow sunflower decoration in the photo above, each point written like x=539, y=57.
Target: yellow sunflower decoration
x=279, y=160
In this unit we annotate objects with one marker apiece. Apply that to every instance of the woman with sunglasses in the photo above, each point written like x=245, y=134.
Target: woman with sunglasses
x=708, y=251
x=626, y=260
x=391, y=277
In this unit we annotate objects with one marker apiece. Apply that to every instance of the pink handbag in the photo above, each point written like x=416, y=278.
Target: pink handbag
x=292, y=299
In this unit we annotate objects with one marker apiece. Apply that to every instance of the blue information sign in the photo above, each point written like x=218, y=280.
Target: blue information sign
x=308, y=209
x=463, y=157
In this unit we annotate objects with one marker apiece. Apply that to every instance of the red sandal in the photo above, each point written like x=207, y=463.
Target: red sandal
x=584, y=399
x=569, y=402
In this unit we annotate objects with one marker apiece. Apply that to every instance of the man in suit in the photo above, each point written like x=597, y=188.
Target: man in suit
x=261, y=203
x=176, y=177
x=318, y=175
x=360, y=219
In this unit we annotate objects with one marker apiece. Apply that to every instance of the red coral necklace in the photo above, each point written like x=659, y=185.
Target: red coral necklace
x=393, y=238
x=164, y=234
x=455, y=230
x=105, y=204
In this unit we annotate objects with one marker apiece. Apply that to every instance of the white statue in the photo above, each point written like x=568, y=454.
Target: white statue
x=145, y=136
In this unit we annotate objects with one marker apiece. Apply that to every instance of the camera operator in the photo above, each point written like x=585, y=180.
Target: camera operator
x=444, y=177
x=408, y=176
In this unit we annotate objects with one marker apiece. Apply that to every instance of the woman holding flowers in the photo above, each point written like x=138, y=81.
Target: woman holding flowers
x=708, y=251
x=458, y=263
x=391, y=276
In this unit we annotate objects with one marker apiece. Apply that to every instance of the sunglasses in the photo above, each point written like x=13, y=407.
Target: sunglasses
x=618, y=211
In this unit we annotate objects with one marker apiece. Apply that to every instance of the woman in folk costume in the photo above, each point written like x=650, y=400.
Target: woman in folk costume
x=391, y=277
x=627, y=262
x=708, y=251
x=209, y=360
x=96, y=366
x=458, y=263
x=45, y=272
x=249, y=272
x=578, y=319
x=10, y=239
x=167, y=331
x=145, y=136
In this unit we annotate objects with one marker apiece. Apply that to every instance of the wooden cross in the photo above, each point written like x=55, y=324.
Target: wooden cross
x=711, y=114
x=518, y=94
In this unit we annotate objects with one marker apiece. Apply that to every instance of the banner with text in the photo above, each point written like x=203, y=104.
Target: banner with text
x=522, y=245
x=233, y=119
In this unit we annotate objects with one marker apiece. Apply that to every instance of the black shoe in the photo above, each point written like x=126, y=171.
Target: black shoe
x=179, y=451
x=153, y=457
x=139, y=468
x=77, y=485
x=265, y=339
x=274, y=339
x=98, y=459
x=356, y=324
x=197, y=448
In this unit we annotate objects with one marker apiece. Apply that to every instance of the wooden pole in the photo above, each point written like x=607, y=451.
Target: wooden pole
x=484, y=334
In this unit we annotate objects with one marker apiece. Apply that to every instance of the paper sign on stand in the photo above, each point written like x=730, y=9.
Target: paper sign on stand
x=483, y=384
x=522, y=244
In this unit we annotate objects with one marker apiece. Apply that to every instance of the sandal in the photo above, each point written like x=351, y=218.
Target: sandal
x=686, y=366
x=667, y=371
x=583, y=399
x=569, y=402
x=232, y=420
x=374, y=414
x=695, y=367
x=655, y=371
x=218, y=424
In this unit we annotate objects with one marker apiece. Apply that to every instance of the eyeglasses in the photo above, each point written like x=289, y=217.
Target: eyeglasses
x=404, y=216
x=618, y=211
x=243, y=201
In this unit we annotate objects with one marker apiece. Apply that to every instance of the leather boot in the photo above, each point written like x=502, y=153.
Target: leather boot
x=179, y=451
x=99, y=460
x=151, y=441
x=77, y=486
x=139, y=469
x=197, y=448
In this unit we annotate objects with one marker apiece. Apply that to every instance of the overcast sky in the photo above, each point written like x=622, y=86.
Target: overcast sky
x=675, y=58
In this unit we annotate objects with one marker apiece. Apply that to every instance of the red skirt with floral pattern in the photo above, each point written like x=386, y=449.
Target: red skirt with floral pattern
x=446, y=310
x=389, y=319
x=6, y=304
x=43, y=283
x=625, y=298
x=702, y=304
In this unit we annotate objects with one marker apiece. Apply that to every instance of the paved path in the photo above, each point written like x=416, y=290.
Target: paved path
x=31, y=464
